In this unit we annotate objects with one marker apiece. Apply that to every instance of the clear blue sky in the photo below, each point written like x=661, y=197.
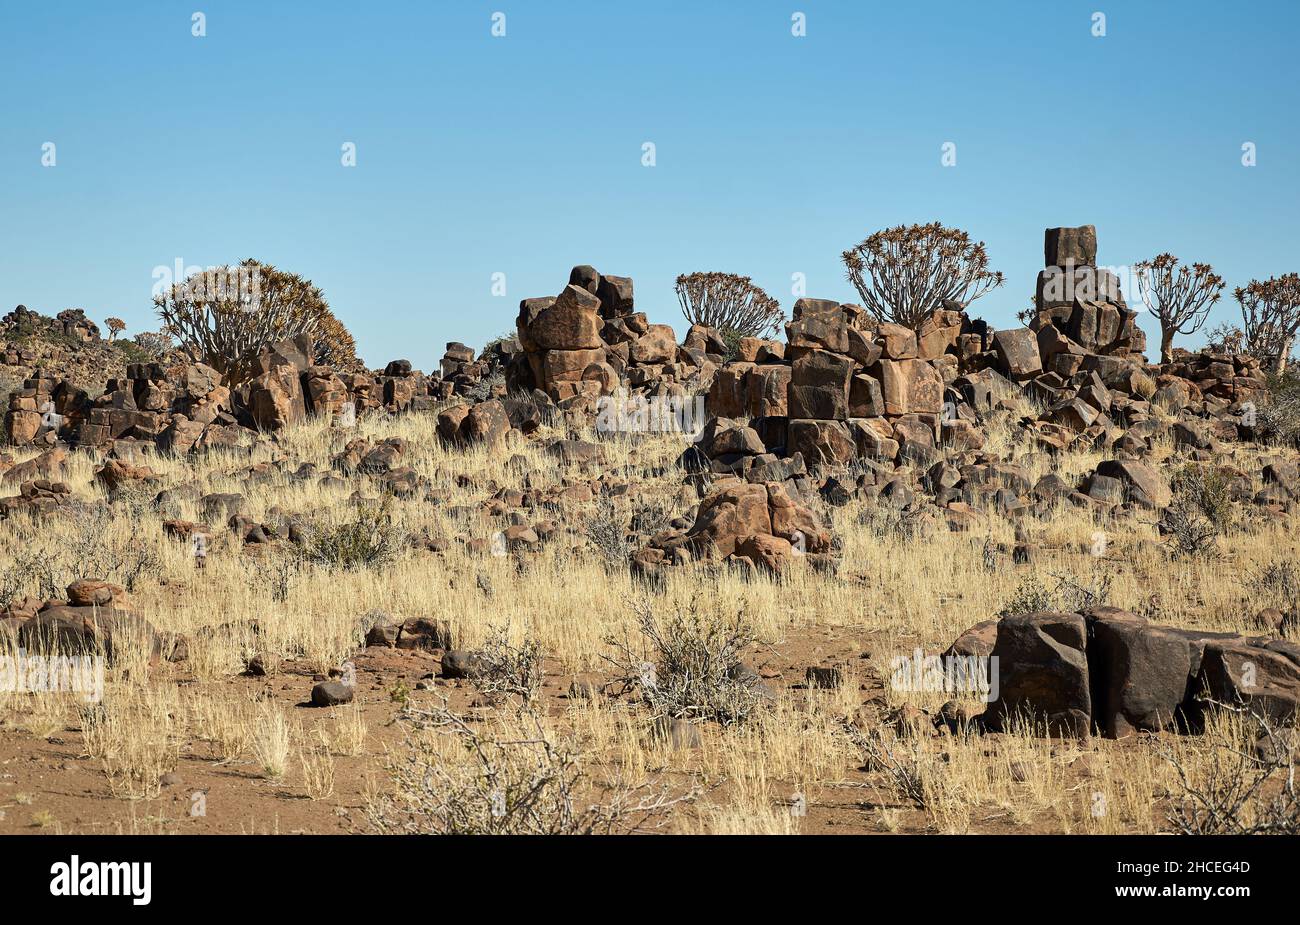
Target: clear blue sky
x=522, y=154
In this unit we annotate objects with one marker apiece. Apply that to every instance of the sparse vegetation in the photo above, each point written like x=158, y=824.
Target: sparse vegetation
x=372, y=540
x=502, y=668
x=1068, y=593
x=517, y=777
x=903, y=580
x=1201, y=510
x=689, y=665
x=1238, y=779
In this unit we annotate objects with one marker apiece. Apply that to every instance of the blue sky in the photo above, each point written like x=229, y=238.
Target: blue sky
x=522, y=154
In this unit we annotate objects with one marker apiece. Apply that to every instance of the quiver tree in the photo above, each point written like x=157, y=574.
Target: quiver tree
x=1270, y=312
x=115, y=326
x=904, y=274
x=156, y=344
x=731, y=304
x=225, y=316
x=1179, y=295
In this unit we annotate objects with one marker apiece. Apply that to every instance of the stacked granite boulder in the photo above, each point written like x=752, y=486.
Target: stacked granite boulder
x=845, y=387
x=1082, y=303
x=589, y=341
x=28, y=420
x=1081, y=358
x=752, y=524
x=1210, y=382
x=75, y=324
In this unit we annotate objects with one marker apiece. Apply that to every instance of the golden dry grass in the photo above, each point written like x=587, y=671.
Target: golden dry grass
x=791, y=769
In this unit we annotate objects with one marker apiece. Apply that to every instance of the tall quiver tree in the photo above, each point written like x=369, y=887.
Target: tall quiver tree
x=1270, y=311
x=1178, y=295
x=225, y=316
x=728, y=303
x=905, y=274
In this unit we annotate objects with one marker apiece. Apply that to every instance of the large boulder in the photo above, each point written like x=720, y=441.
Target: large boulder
x=276, y=399
x=571, y=322
x=1263, y=674
x=822, y=443
x=1070, y=247
x=21, y=427
x=1141, y=673
x=569, y=365
x=1042, y=673
x=616, y=299
x=794, y=522
x=88, y=630
x=730, y=514
x=658, y=345
x=819, y=386
x=818, y=324
x=896, y=342
x=1018, y=353
x=1118, y=674
x=865, y=398
x=1142, y=485
x=770, y=553
x=487, y=423
x=766, y=390
x=909, y=387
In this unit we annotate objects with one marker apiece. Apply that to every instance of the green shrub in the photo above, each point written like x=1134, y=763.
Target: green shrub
x=370, y=541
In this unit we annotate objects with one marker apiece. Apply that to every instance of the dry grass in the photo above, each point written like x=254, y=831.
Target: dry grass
x=775, y=774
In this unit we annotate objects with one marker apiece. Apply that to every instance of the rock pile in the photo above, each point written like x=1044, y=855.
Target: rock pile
x=1081, y=303
x=746, y=523
x=844, y=387
x=69, y=342
x=94, y=619
x=588, y=340
x=905, y=410
x=1209, y=383
x=183, y=408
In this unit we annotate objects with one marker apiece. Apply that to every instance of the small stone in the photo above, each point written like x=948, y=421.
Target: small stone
x=824, y=678
x=331, y=694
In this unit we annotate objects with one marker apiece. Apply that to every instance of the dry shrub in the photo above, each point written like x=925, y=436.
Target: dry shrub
x=606, y=532
x=1239, y=778
x=1200, y=512
x=228, y=725
x=501, y=668
x=689, y=665
x=1069, y=593
x=516, y=777
x=96, y=540
x=1277, y=585
x=317, y=769
x=905, y=762
x=348, y=735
